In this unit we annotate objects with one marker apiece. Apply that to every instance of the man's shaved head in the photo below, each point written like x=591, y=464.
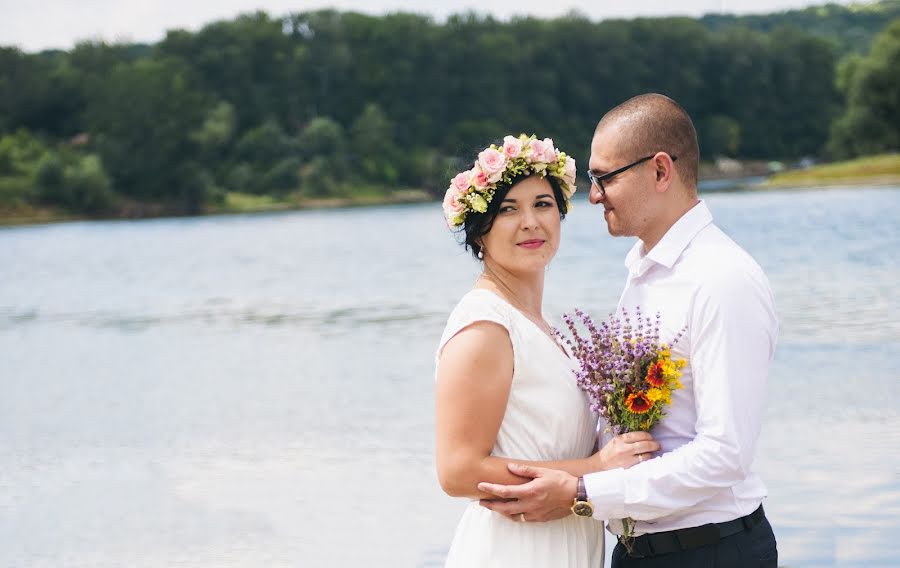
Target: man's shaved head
x=655, y=123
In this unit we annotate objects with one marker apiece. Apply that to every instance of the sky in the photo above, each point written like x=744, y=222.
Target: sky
x=44, y=24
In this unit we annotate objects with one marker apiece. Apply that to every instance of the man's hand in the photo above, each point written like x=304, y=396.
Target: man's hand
x=547, y=497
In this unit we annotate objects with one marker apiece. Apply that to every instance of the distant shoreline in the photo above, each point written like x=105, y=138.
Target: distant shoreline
x=239, y=207
x=829, y=175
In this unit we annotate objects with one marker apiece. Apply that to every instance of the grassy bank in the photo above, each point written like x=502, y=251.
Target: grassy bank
x=29, y=215
x=873, y=170
x=247, y=203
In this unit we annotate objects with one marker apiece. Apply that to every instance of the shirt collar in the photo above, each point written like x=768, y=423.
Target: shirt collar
x=673, y=243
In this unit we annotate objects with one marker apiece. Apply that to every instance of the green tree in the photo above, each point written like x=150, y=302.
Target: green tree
x=247, y=62
x=81, y=186
x=267, y=160
x=324, y=150
x=373, y=147
x=803, y=70
x=719, y=136
x=264, y=144
x=850, y=29
x=217, y=129
x=20, y=154
x=317, y=178
x=145, y=118
x=214, y=139
x=37, y=93
x=324, y=137
x=871, y=122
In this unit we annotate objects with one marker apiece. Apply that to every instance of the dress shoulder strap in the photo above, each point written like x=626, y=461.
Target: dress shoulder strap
x=478, y=305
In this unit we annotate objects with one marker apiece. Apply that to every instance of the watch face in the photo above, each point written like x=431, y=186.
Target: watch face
x=583, y=509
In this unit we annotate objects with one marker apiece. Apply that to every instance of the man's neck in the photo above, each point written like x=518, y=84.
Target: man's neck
x=654, y=234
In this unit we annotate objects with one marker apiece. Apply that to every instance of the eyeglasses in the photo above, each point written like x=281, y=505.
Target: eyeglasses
x=599, y=180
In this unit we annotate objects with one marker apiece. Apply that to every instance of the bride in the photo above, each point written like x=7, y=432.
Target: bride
x=505, y=389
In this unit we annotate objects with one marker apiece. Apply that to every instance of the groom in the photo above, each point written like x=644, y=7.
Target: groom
x=697, y=503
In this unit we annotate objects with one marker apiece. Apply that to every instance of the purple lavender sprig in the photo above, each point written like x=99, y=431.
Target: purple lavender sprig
x=613, y=356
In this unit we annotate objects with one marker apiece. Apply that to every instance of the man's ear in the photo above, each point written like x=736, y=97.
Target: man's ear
x=665, y=169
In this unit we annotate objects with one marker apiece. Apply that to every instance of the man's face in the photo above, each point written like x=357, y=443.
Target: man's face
x=626, y=201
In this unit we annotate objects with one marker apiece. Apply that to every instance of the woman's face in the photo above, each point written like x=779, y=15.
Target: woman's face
x=525, y=233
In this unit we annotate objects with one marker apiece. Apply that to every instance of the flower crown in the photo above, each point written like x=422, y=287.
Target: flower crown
x=473, y=189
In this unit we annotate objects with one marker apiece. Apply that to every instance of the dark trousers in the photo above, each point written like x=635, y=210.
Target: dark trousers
x=753, y=548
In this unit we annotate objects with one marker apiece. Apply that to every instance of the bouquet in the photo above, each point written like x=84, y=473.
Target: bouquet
x=627, y=372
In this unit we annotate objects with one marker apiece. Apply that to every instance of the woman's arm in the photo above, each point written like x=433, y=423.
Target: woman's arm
x=473, y=384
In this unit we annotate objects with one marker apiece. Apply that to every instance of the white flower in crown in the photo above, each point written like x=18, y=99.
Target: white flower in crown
x=569, y=174
x=473, y=189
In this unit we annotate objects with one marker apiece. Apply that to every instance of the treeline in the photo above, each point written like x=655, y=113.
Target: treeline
x=329, y=104
x=849, y=29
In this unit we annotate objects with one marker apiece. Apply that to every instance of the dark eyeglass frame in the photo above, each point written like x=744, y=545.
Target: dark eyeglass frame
x=599, y=180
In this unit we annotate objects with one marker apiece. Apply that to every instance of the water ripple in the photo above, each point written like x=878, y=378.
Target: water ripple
x=287, y=316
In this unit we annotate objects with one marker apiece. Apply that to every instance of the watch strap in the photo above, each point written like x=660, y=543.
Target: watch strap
x=581, y=492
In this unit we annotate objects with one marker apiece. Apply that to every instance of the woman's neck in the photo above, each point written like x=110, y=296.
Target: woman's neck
x=526, y=293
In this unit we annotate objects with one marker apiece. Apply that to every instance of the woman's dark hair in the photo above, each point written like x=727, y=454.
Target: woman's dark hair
x=478, y=225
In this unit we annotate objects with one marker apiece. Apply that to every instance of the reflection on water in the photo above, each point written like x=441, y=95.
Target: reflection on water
x=257, y=390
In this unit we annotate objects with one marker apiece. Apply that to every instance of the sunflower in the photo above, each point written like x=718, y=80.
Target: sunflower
x=638, y=403
x=656, y=375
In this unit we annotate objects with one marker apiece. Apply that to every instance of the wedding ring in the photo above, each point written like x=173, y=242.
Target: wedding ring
x=640, y=458
x=522, y=516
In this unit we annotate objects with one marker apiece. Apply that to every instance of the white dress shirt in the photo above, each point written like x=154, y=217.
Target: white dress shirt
x=697, y=278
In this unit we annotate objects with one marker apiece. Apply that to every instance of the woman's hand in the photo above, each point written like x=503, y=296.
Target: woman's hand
x=624, y=451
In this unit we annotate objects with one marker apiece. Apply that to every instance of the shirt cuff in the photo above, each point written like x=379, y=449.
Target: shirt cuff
x=606, y=492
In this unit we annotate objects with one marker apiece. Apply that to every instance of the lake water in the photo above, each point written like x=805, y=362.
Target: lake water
x=258, y=390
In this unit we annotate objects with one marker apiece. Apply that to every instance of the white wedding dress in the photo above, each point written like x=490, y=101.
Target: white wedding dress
x=547, y=418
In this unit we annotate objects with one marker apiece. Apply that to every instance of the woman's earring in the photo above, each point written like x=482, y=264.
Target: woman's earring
x=481, y=254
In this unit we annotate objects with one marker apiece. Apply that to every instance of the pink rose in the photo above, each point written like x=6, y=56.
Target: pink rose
x=512, y=147
x=479, y=178
x=543, y=151
x=462, y=182
x=453, y=206
x=492, y=163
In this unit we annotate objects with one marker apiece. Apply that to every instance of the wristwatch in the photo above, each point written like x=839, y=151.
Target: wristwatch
x=582, y=507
